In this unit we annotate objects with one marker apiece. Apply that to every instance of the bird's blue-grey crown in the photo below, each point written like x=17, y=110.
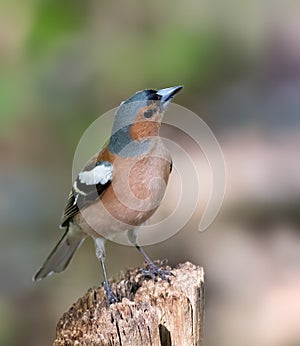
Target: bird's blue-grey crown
x=127, y=112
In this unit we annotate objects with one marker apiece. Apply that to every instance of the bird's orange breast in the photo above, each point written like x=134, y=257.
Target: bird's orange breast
x=137, y=187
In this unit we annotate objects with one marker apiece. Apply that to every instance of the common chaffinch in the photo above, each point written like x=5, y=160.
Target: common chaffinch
x=120, y=187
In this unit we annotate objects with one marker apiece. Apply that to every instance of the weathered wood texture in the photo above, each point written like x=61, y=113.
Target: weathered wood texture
x=150, y=313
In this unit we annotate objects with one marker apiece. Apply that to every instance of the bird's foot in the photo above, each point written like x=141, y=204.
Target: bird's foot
x=110, y=296
x=153, y=271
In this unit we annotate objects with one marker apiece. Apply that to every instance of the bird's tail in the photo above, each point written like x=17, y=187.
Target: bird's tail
x=61, y=255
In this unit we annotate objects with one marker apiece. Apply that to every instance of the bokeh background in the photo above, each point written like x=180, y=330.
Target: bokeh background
x=63, y=63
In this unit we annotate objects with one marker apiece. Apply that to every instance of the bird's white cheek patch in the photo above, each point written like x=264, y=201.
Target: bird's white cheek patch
x=100, y=174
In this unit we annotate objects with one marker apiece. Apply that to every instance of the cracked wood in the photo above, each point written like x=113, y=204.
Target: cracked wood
x=149, y=313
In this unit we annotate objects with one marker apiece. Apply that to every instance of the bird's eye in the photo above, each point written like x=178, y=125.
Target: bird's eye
x=149, y=113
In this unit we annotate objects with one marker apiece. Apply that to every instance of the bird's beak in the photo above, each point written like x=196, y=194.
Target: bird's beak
x=168, y=93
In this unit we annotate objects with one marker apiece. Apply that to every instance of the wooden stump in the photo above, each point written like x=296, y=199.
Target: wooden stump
x=149, y=313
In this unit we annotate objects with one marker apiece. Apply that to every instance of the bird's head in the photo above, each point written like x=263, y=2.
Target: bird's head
x=139, y=118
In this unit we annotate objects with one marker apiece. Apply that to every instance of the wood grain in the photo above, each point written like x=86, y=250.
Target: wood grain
x=149, y=313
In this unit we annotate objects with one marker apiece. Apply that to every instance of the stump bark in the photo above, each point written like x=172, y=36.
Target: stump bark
x=149, y=313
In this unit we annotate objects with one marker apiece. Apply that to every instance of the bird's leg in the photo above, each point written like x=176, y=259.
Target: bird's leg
x=153, y=270
x=100, y=253
x=110, y=296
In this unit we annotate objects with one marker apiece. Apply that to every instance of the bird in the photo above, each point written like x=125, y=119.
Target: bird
x=120, y=187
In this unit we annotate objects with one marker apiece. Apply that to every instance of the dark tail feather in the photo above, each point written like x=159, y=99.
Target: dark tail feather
x=61, y=255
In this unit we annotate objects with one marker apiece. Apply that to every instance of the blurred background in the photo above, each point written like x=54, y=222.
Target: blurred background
x=63, y=63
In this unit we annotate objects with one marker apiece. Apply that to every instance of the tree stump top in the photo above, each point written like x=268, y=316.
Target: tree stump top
x=149, y=313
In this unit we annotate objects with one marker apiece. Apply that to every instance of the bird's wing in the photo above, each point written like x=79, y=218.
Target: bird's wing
x=89, y=185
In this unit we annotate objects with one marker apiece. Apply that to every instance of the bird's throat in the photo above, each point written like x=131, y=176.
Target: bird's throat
x=123, y=145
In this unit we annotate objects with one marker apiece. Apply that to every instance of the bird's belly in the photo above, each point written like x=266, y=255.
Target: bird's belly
x=131, y=199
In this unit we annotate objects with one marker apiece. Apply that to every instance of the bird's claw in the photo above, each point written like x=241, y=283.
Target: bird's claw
x=110, y=296
x=155, y=272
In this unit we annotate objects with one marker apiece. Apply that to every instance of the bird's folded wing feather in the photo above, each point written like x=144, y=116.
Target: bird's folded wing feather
x=89, y=185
